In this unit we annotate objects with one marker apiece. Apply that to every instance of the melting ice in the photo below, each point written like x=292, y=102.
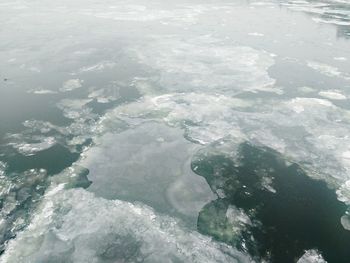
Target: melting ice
x=123, y=123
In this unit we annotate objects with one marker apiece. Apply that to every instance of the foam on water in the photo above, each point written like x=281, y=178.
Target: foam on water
x=76, y=226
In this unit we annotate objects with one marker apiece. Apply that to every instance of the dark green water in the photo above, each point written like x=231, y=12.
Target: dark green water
x=300, y=214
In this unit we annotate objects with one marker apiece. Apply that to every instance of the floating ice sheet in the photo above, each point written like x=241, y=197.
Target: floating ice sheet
x=71, y=84
x=190, y=75
x=207, y=64
x=328, y=70
x=205, y=118
x=32, y=148
x=76, y=226
x=151, y=164
x=40, y=91
x=292, y=127
x=332, y=94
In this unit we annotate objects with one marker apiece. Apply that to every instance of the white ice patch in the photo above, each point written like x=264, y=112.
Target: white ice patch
x=41, y=91
x=267, y=183
x=344, y=193
x=206, y=118
x=131, y=12
x=256, y=34
x=206, y=64
x=12, y=197
x=105, y=95
x=323, y=147
x=340, y=58
x=291, y=127
x=332, y=94
x=345, y=221
x=71, y=84
x=311, y=256
x=136, y=12
x=2, y=168
x=74, y=108
x=325, y=69
x=99, y=66
x=32, y=148
x=298, y=104
x=76, y=226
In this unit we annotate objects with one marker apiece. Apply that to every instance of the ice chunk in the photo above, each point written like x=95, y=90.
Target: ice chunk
x=105, y=95
x=2, y=168
x=18, y=191
x=340, y=58
x=206, y=64
x=332, y=94
x=32, y=148
x=75, y=108
x=205, y=117
x=40, y=91
x=71, y=84
x=311, y=256
x=256, y=34
x=76, y=226
x=327, y=70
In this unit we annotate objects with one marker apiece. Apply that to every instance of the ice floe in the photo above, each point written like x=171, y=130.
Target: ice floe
x=76, y=226
x=190, y=83
x=71, y=84
x=32, y=148
x=207, y=64
x=311, y=256
x=326, y=11
x=332, y=94
x=41, y=91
